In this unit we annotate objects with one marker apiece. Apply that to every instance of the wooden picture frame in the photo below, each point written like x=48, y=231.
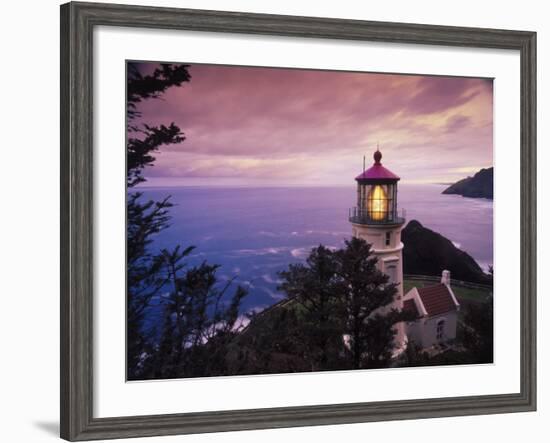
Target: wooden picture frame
x=77, y=23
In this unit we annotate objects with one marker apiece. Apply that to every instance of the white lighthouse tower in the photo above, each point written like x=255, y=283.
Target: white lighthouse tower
x=375, y=219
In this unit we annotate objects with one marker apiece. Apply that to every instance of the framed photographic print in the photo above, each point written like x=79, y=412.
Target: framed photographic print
x=273, y=221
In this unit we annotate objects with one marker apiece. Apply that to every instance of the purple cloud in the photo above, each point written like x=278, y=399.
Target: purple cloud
x=314, y=126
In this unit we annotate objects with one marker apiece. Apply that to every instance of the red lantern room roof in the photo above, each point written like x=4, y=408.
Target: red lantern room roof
x=377, y=171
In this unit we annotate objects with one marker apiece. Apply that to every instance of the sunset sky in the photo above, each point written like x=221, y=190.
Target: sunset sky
x=249, y=126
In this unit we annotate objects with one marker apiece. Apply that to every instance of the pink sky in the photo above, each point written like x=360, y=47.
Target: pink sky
x=271, y=126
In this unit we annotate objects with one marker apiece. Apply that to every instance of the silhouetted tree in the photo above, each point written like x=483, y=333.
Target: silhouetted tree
x=273, y=342
x=198, y=321
x=316, y=288
x=142, y=86
x=343, y=303
x=478, y=331
x=366, y=295
x=144, y=140
x=145, y=218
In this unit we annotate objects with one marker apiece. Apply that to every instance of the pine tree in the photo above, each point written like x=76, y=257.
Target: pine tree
x=477, y=326
x=315, y=287
x=343, y=303
x=145, y=218
x=366, y=295
x=198, y=321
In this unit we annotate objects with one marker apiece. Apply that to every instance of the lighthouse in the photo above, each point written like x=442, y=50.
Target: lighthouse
x=375, y=219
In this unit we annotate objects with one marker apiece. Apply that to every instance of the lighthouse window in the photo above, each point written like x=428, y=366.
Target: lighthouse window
x=388, y=238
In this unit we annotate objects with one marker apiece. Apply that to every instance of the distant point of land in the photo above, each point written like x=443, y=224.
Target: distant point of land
x=478, y=186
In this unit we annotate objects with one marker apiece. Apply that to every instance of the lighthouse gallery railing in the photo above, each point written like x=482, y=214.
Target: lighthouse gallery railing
x=362, y=217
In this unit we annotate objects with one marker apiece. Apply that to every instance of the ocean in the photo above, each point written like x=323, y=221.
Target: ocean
x=254, y=233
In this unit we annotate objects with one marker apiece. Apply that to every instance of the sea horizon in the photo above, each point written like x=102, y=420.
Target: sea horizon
x=146, y=186
x=253, y=233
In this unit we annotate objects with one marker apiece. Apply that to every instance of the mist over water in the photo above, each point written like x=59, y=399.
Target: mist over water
x=255, y=232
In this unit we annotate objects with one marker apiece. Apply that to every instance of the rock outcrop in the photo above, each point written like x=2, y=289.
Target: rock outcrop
x=428, y=253
x=478, y=186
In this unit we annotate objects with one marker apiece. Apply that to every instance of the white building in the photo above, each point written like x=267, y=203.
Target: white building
x=375, y=219
x=436, y=308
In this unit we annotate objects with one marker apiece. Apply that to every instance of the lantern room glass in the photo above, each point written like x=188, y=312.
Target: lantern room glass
x=377, y=202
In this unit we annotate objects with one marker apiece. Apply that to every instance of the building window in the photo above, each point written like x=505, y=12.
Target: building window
x=440, y=330
x=388, y=238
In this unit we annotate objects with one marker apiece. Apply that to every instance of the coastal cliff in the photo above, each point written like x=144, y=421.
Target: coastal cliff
x=478, y=186
x=427, y=252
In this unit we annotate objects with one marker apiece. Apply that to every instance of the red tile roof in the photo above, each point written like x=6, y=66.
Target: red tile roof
x=436, y=299
x=410, y=306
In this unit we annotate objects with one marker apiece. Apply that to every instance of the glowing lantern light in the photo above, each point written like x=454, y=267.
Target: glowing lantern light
x=376, y=195
x=377, y=203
